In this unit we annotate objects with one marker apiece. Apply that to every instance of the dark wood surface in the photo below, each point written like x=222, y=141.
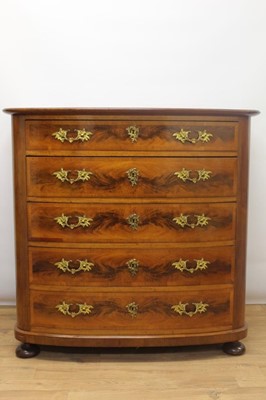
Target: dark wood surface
x=110, y=177
x=115, y=268
x=110, y=222
x=109, y=313
x=129, y=111
x=112, y=134
x=21, y=224
x=109, y=241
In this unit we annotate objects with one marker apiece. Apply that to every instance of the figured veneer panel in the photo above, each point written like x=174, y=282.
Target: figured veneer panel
x=131, y=267
x=131, y=177
x=121, y=223
x=115, y=135
x=125, y=312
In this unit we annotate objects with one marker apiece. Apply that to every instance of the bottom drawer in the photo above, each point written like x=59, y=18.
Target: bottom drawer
x=109, y=312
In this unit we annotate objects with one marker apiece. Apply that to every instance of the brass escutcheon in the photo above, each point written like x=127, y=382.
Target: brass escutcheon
x=132, y=308
x=133, y=176
x=133, y=133
x=133, y=266
x=133, y=221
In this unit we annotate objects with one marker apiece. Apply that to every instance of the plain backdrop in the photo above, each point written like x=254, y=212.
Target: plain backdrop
x=140, y=53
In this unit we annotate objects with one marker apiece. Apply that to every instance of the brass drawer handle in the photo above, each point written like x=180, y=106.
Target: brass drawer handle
x=184, y=175
x=200, y=220
x=65, y=309
x=82, y=135
x=133, y=266
x=64, y=265
x=183, y=136
x=83, y=221
x=63, y=175
x=180, y=308
x=133, y=220
x=181, y=265
x=133, y=133
x=132, y=308
x=133, y=176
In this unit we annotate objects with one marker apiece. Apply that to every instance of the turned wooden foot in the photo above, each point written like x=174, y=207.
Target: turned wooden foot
x=234, y=348
x=27, y=350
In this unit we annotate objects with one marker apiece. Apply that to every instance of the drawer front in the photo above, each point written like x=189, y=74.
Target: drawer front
x=130, y=135
x=131, y=177
x=161, y=311
x=131, y=267
x=61, y=222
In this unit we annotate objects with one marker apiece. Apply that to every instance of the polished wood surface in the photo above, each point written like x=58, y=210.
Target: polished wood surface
x=112, y=222
x=116, y=213
x=20, y=189
x=131, y=177
x=110, y=314
x=107, y=135
x=129, y=111
x=116, y=267
x=194, y=372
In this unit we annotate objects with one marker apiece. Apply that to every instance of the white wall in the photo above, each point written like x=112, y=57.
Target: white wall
x=154, y=53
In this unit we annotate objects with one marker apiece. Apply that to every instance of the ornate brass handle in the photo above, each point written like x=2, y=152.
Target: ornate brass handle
x=132, y=308
x=82, y=135
x=133, y=176
x=133, y=133
x=83, y=221
x=65, y=309
x=133, y=266
x=64, y=266
x=200, y=220
x=184, y=175
x=133, y=220
x=183, y=136
x=63, y=175
x=180, y=308
x=181, y=265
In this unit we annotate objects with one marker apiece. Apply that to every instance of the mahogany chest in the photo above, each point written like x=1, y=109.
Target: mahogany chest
x=130, y=227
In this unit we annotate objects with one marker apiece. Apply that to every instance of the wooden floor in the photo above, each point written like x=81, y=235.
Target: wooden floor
x=199, y=373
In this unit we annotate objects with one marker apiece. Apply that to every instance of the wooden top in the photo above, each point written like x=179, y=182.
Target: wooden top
x=130, y=111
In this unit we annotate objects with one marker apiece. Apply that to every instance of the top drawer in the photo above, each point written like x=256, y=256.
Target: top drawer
x=130, y=135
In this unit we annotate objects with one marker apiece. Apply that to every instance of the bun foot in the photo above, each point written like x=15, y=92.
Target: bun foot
x=27, y=350
x=234, y=348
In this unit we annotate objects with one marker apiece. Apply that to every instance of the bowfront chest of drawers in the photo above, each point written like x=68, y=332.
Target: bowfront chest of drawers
x=130, y=227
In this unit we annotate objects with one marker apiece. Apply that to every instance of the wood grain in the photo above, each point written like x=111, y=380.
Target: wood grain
x=111, y=267
x=113, y=135
x=110, y=222
x=110, y=315
x=109, y=177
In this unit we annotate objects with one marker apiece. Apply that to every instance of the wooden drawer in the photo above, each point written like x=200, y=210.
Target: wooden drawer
x=62, y=222
x=157, y=311
x=131, y=267
x=131, y=177
x=130, y=135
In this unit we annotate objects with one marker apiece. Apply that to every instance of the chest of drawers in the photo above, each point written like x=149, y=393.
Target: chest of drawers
x=130, y=227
